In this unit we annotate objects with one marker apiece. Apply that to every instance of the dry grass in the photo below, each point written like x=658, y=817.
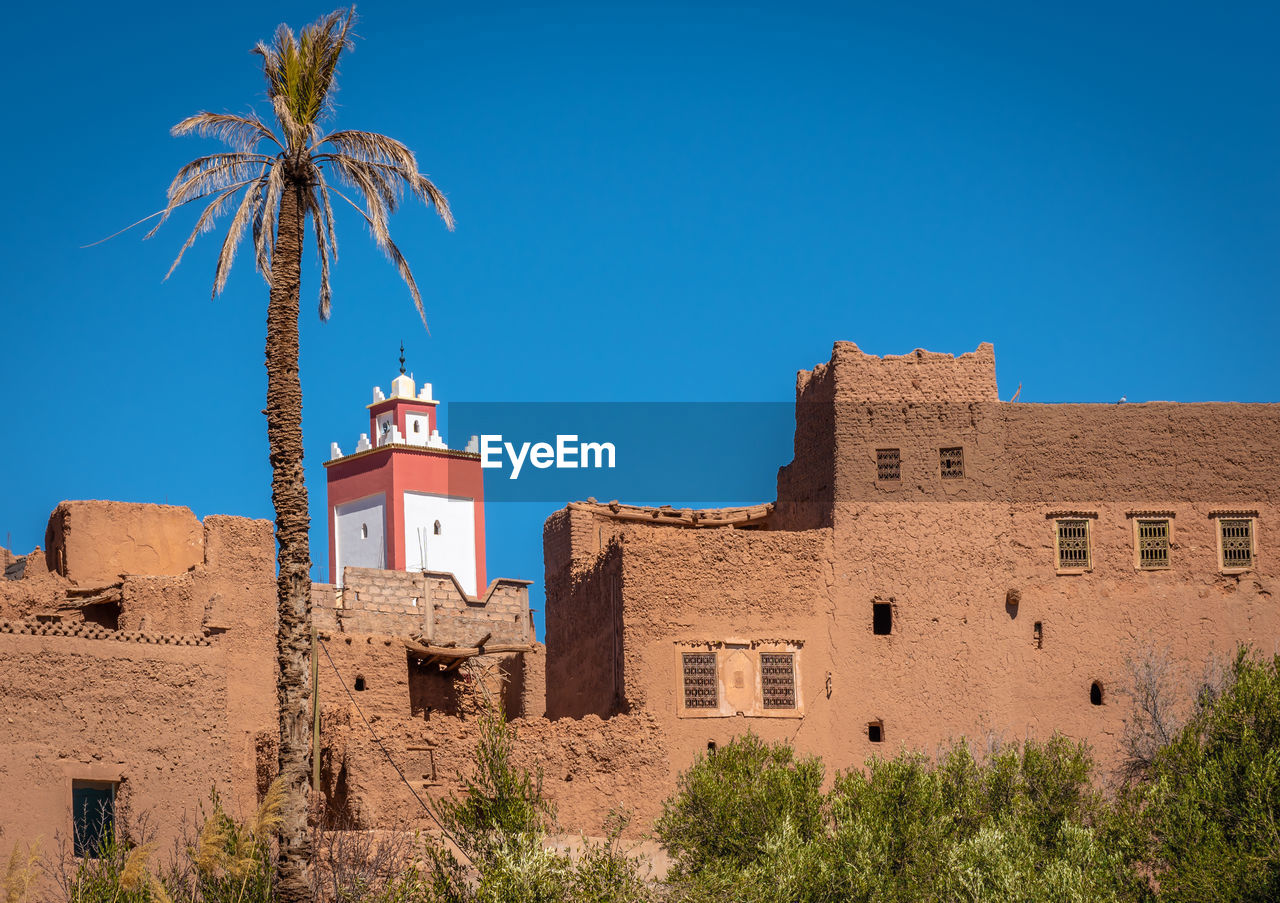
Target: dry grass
x=20, y=874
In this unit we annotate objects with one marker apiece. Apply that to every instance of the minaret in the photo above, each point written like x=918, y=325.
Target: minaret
x=404, y=500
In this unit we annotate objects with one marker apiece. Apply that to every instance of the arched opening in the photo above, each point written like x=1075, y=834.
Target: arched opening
x=436, y=528
x=1095, y=693
x=417, y=426
x=364, y=531
x=711, y=746
x=359, y=682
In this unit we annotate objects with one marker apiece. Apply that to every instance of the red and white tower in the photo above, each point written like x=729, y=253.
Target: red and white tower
x=406, y=501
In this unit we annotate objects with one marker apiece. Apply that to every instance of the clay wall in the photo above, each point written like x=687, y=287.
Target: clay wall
x=584, y=640
x=858, y=403
x=988, y=637
x=92, y=542
x=165, y=697
x=960, y=660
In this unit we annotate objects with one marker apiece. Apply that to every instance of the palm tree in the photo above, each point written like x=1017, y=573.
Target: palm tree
x=280, y=178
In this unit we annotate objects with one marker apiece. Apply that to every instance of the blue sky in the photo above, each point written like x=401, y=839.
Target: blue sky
x=667, y=202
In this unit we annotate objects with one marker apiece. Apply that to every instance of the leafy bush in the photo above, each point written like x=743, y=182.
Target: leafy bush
x=1023, y=825
x=1212, y=803
x=729, y=805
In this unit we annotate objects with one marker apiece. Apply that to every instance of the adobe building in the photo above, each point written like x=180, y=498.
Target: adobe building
x=937, y=563
x=138, y=661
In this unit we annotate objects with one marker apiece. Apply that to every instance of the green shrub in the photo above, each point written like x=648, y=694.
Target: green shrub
x=1023, y=825
x=1212, y=801
x=733, y=800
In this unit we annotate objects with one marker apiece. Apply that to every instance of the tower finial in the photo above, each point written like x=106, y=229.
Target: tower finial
x=402, y=358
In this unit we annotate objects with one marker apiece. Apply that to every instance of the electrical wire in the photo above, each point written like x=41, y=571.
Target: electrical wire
x=391, y=761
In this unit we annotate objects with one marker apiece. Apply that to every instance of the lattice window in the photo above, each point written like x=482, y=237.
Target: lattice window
x=952, y=461
x=1073, y=545
x=888, y=464
x=700, y=691
x=778, y=679
x=1236, y=536
x=1153, y=544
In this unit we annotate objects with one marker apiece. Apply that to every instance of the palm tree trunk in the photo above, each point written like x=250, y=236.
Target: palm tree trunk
x=293, y=556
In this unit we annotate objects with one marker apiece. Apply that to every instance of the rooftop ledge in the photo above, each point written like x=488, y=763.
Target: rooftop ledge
x=402, y=446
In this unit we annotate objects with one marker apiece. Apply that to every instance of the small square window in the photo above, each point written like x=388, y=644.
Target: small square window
x=888, y=464
x=952, y=462
x=1153, y=544
x=93, y=814
x=778, y=679
x=700, y=686
x=1073, y=545
x=875, y=732
x=1235, y=538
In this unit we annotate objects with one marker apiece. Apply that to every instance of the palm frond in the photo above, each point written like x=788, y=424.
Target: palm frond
x=301, y=71
x=204, y=224
x=322, y=249
x=244, y=214
x=201, y=165
x=381, y=188
x=241, y=132
x=327, y=206
x=372, y=148
x=264, y=227
x=383, y=238
x=395, y=178
x=206, y=183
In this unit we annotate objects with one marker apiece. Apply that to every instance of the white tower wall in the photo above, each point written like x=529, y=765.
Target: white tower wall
x=360, y=534
x=453, y=548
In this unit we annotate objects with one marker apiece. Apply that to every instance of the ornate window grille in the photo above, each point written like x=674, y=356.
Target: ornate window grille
x=778, y=679
x=952, y=461
x=1073, y=545
x=700, y=689
x=888, y=464
x=1153, y=544
x=1236, y=537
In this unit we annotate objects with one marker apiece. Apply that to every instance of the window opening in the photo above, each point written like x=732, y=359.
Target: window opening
x=700, y=680
x=778, y=679
x=1095, y=693
x=881, y=618
x=1236, y=536
x=875, y=732
x=1073, y=545
x=952, y=462
x=364, y=531
x=93, y=812
x=888, y=464
x=1153, y=544
x=1038, y=633
x=359, y=682
x=436, y=528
